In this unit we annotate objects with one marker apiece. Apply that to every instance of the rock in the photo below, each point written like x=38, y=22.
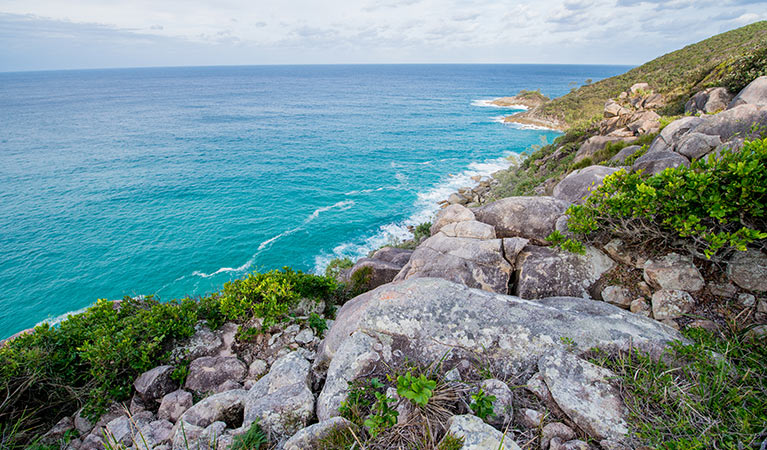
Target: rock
x=758, y=331
x=378, y=272
x=451, y=214
x=475, y=263
x=655, y=162
x=670, y=323
x=671, y=133
x=306, y=336
x=209, y=372
x=697, y=145
x=93, y=441
x=307, y=306
x=555, y=430
x=584, y=393
x=153, y=384
x=427, y=320
x=761, y=307
x=618, y=296
x=257, y=369
x=753, y=94
x=592, y=145
x=705, y=324
x=457, y=199
x=614, y=109
x=82, y=424
x=725, y=290
x=153, y=434
x=397, y=256
x=174, y=405
x=671, y=304
x=310, y=436
x=749, y=270
x=529, y=418
x=640, y=306
x=708, y=101
x=204, y=342
x=644, y=122
x=189, y=437
x=228, y=385
x=576, y=186
x=120, y=431
x=653, y=101
x=528, y=217
x=574, y=444
x=747, y=300
x=503, y=408
x=742, y=121
x=222, y=407
x=469, y=229
x=545, y=272
x=625, y=153
x=477, y=435
x=58, y=431
x=638, y=88
x=673, y=271
x=618, y=252
x=282, y=400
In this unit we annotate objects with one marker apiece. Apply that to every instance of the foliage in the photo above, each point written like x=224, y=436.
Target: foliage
x=482, y=404
x=337, y=265
x=383, y=416
x=92, y=358
x=317, y=323
x=557, y=239
x=708, y=394
x=253, y=439
x=337, y=439
x=740, y=71
x=631, y=159
x=715, y=204
x=362, y=394
x=180, y=373
x=422, y=231
x=360, y=281
x=416, y=389
x=585, y=162
x=532, y=95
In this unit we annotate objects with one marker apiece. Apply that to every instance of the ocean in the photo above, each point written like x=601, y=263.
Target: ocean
x=172, y=181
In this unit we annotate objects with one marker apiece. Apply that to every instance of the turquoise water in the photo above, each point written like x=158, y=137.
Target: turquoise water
x=172, y=181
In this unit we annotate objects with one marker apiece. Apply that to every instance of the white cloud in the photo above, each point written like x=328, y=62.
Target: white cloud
x=303, y=31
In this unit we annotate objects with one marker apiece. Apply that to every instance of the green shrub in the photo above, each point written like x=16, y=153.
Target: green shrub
x=450, y=442
x=337, y=265
x=585, y=162
x=317, y=323
x=361, y=396
x=707, y=393
x=636, y=155
x=557, y=239
x=715, y=204
x=253, y=439
x=383, y=417
x=416, y=389
x=422, y=231
x=482, y=404
x=744, y=69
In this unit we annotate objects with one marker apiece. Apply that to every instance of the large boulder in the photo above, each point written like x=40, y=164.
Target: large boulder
x=583, y=391
x=578, y=184
x=655, y=162
x=528, y=217
x=673, y=271
x=708, y=101
x=671, y=304
x=469, y=229
x=644, y=122
x=749, y=270
x=546, y=272
x=696, y=145
x=477, y=435
x=671, y=133
x=473, y=262
x=222, y=407
x=592, y=145
x=153, y=384
x=397, y=256
x=753, y=94
x=373, y=272
x=743, y=121
x=625, y=153
x=425, y=320
x=174, y=405
x=282, y=401
x=451, y=214
x=209, y=372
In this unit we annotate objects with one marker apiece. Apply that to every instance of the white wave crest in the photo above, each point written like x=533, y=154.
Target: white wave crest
x=488, y=103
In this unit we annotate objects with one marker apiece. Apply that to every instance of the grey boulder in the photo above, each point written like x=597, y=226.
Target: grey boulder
x=708, y=101
x=546, y=272
x=655, y=162
x=697, y=145
x=174, y=405
x=477, y=435
x=673, y=271
x=671, y=304
x=625, y=153
x=310, y=436
x=153, y=384
x=741, y=121
x=451, y=214
x=583, y=391
x=206, y=374
x=749, y=270
x=672, y=132
x=428, y=319
x=528, y=217
x=576, y=186
x=753, y=94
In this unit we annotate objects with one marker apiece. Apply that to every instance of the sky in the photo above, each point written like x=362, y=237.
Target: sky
x=76, y=34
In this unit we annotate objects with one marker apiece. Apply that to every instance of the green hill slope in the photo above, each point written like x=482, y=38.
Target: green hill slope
x=717, y=61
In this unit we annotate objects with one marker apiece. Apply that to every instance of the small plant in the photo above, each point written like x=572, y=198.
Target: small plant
x=317, y=323
x=558, y=239
x=362, y=394
x=253, y=439
x=383, y=417
x=482, y=404
x=416, y=389
x=180, y=373
x=337, y=265
x=569, y=343
x=422, y=231
x=585, y=162
x=450, y=442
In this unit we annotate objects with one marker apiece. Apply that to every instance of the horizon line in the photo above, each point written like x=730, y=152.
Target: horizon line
x=305, y=65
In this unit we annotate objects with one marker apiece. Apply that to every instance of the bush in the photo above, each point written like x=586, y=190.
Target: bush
x=92, y=358
x=337, y=265
x=744, y=69
x=422, y=231
x=714, y=205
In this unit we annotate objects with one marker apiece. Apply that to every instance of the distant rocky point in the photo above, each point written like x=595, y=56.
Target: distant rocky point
x=526, y=99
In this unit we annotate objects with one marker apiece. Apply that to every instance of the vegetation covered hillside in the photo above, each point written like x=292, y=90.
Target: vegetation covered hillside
x=730, y=59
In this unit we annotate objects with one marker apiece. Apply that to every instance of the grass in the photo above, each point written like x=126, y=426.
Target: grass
x=709, y=394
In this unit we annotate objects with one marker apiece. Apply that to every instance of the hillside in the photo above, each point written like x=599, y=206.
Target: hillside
x=715, y=61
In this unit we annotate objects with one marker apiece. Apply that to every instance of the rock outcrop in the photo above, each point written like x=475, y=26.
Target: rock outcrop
x=708, y=101
x=527, y=217
x=576, y=186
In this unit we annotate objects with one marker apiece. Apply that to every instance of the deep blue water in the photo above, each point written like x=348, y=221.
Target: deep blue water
x=171, y=181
